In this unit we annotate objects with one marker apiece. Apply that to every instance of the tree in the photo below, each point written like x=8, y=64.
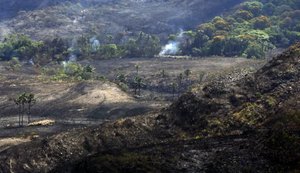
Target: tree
x=234, y=46
x=163, y=75
x=254, y=7
x=173, y=85
x=18, y=45
x=30, y=100
x=18, y=103
x=137, y=67
x=84, y=48
x=187, y=73
x=109, y=51
x=217, y=45
x=56, y=49
x=255, y=50
x=144, y=45
x=243, y=14
x=138, y=82
x=220, y=23
x=261, y=22
x=180, y=78
x=269, y=8
x=207, y=28
x=21, y=101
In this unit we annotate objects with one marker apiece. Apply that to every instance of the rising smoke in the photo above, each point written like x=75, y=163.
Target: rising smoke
x=172, y=48
x=95, y=44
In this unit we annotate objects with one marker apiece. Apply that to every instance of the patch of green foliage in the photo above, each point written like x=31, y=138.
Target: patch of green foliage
x=250, y=114
x=20, y=46
x=13, y=64
x=74, y=71
x=250, y=30
x=83, y=47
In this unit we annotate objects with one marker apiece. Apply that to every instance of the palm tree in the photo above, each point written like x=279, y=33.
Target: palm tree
x=180, y=78
x=23, y=100
x=30, y=100
x=138, y=81
x=137, y=67
x=18, y=103
x=173, y=84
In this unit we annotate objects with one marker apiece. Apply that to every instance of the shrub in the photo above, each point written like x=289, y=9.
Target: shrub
x=14, y=64
x=108, y=51
x=75, y=71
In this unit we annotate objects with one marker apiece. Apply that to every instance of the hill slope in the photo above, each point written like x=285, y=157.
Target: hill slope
x=110, y=16
x=233, y=124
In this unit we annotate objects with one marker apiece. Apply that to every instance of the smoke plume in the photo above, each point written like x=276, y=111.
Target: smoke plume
x=172, y=48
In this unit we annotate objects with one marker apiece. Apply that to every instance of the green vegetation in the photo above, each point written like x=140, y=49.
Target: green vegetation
x=75, y=71
x=21, y=47
x=249, y=30
x=13, y=64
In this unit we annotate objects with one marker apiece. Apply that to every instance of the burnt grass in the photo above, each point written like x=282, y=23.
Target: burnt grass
x=237, y=120
x=54, y=98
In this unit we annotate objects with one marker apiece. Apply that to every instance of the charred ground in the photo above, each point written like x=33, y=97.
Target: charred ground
x=233, y=124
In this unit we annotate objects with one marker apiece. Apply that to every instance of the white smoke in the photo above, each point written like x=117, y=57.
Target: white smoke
x=71, y=50
x=75, y=21
x=31, y=61
x=95, y=44
x=172, y=48
x=64, y=63
x=73, y=58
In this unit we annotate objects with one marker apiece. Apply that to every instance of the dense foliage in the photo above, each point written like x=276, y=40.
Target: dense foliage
x=249, y=30
x=21, y=47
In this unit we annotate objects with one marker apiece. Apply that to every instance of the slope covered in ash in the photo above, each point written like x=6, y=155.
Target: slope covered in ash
x=46, y=19
x=239, y=123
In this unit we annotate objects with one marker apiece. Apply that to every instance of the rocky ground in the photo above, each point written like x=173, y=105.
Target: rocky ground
x=235, y=124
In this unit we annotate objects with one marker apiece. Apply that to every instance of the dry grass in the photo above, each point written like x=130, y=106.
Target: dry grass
x=6, y=143
x=46, y=122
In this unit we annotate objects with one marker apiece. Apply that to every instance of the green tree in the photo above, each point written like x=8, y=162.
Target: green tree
x=18, y=45
x=255, y=50
x=109, y=51
x=255, y=7
x=261, y=22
